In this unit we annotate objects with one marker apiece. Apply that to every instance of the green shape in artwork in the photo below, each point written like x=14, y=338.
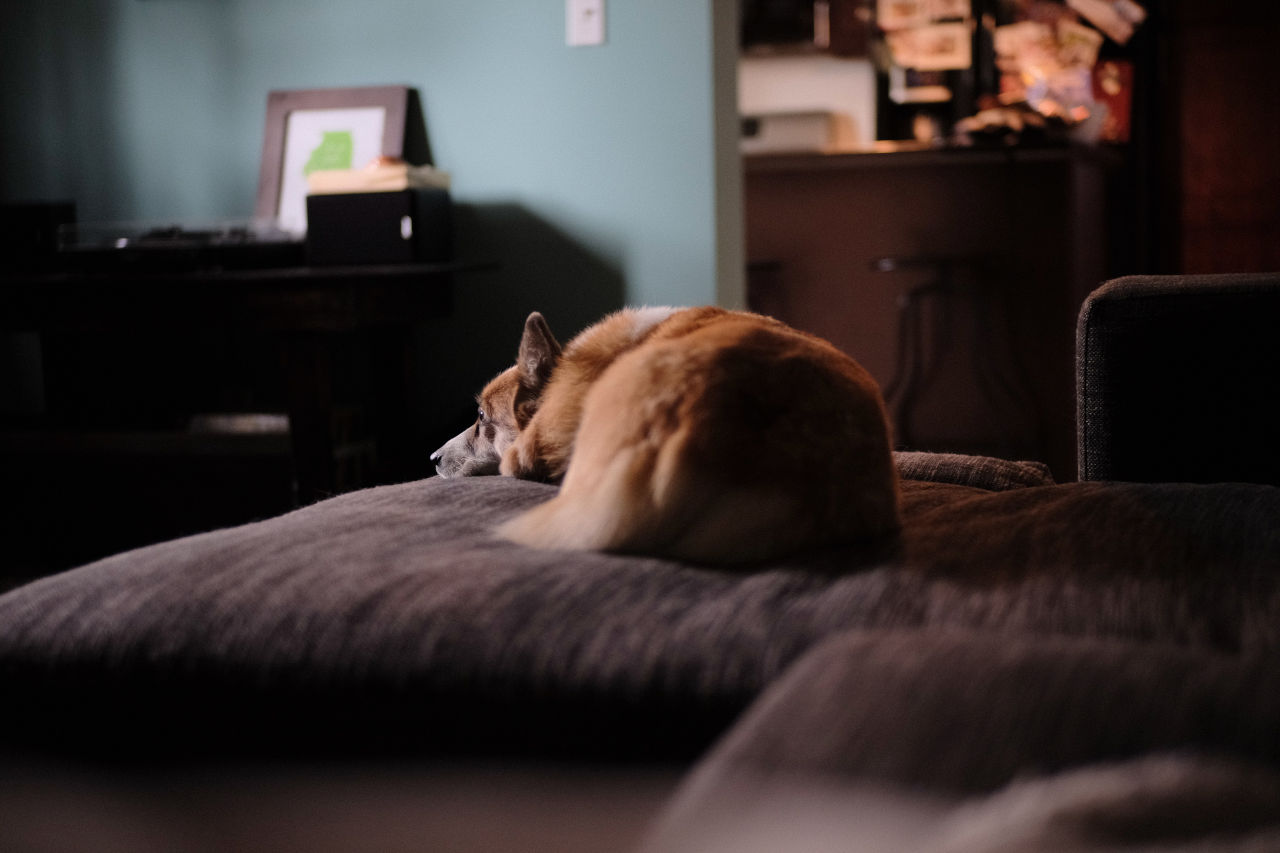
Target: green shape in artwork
x=333, y=152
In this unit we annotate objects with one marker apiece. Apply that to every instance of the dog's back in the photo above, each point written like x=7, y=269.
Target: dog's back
x=721, y=437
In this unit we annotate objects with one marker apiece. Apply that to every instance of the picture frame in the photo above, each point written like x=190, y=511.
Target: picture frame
x=937, y=47
x=323, y=128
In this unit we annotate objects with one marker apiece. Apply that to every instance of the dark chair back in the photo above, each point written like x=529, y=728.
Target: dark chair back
x=1178, y=379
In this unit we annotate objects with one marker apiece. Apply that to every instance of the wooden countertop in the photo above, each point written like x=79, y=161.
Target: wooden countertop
x=918, y=157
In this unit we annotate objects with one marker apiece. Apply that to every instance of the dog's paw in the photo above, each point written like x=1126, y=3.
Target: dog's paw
x=517, y=461
x=523, y=461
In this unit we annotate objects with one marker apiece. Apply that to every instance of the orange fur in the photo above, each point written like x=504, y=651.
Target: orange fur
x=700, y=434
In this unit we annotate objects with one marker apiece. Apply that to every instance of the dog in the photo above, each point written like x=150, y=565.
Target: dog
x=700, y=434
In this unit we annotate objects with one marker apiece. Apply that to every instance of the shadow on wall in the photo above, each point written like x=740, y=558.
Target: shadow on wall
x=539, y=268
x=61, y=132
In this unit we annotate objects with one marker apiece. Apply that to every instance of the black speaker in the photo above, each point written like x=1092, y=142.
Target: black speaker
x=402, y=226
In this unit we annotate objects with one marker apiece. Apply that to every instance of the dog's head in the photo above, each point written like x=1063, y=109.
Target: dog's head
x=506, y=405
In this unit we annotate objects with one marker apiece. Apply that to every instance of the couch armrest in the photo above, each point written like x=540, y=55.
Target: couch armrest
x=1178, y=379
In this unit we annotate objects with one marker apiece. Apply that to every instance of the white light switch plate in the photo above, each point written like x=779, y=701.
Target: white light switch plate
x=584, y=22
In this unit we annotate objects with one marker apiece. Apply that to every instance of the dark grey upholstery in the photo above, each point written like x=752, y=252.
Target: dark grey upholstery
x=391, y=621
x=983, y=472
x=1178, y=379
x=983, y=709
x=964, y=742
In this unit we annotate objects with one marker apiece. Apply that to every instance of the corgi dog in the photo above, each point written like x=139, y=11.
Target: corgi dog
x=700, y=434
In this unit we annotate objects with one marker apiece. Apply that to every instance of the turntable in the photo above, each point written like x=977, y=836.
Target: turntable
x=171, y=247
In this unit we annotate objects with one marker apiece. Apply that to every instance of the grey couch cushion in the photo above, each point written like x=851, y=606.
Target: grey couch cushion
x=392, y=621
x=981, y=709
x=933, y=741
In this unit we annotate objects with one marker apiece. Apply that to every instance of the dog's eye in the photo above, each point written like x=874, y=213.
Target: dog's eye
x=482, y=416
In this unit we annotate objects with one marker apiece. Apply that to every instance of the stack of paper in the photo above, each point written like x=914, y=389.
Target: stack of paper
x=379, y=176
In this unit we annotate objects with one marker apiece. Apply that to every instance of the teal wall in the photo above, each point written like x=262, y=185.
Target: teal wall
x=594, y=176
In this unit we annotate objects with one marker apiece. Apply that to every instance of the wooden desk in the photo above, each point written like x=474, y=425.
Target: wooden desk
x=308, y=311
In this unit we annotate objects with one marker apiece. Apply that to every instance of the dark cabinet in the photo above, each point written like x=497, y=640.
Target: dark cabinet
x=955, y=277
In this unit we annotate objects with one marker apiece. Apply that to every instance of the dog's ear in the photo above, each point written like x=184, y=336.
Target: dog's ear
x=539, y=352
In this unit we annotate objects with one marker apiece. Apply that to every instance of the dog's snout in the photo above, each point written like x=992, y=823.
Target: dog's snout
x=460, y=457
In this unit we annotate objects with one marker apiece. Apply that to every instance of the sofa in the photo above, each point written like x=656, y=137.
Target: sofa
x=1031, y=665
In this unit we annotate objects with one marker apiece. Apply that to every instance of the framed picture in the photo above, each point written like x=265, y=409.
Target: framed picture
x=901, y=14
x=312, y=129
x=937, y=47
